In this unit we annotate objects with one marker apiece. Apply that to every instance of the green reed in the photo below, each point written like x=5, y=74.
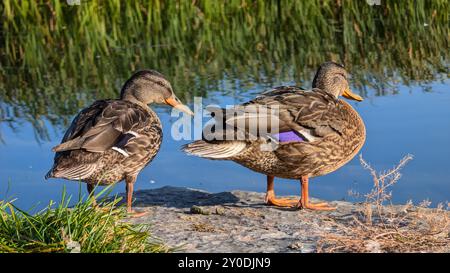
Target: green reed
x=56, y=58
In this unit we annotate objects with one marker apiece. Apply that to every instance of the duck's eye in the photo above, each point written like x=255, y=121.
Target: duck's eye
x=337, y=80
x=343, y=75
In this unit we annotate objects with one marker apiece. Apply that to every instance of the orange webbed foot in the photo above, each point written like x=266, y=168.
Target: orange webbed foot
x=136, y=214
x=315, y=206
x=279, y=202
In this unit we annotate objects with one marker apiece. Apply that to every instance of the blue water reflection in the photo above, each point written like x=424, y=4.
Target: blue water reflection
x=412, y=121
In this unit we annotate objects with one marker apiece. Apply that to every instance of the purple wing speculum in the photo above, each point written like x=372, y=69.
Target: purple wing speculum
x=289, y=136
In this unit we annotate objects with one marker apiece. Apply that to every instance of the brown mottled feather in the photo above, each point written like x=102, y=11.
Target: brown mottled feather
x=86, y=150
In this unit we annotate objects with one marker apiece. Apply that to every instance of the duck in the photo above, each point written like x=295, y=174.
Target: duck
x=112, y=140
x=316, y=133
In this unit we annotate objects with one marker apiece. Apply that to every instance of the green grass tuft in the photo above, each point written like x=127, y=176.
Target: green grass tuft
x=80, y=228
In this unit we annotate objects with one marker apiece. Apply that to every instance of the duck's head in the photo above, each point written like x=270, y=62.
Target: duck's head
x=149, y=86
x=332, y=78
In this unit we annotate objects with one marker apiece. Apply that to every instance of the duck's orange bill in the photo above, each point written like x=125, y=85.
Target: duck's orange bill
x=350, y=95
x=172, y=102
x=175, y=103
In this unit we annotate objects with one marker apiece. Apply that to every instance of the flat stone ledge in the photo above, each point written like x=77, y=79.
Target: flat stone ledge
x=192, y=220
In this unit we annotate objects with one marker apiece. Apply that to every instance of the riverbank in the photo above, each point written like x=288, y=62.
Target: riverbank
x=191, y=220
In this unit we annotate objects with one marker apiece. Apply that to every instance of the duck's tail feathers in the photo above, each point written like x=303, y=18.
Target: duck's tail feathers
x=49, y=174
x=78, y=172
x=214, y=150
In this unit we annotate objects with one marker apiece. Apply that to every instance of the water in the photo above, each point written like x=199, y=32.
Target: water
x=397, y=54
x=413, y=121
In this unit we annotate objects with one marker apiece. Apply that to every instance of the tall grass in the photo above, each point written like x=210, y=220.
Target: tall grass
x=55, y=57
x=80, y=228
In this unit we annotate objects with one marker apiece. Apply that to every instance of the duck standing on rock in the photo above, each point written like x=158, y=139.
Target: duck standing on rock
x=317, y=134
x=113, y=140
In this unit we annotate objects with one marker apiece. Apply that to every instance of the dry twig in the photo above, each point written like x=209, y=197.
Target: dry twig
x=387, y=228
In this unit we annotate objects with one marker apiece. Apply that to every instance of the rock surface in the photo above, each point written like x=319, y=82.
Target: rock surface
x=196, y=221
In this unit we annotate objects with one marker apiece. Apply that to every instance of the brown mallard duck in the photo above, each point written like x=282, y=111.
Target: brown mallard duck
x=317, y=133
x=113, y=140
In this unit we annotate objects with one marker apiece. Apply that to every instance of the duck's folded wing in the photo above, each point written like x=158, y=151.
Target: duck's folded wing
x=101, y=126
x=313, y=115
x=317, y=113
x=317, y=116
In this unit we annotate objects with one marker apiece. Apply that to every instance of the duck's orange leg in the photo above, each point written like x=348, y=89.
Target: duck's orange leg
x=304, y=200
x=129, y=188
x=270, y=196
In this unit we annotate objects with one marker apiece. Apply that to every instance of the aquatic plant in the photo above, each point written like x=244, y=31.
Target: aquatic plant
x=55, y=58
